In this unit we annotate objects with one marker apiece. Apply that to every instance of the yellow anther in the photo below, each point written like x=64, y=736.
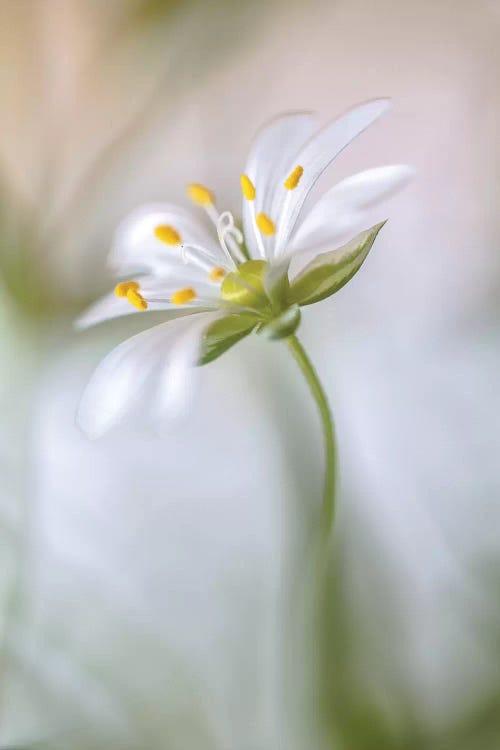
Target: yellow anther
x=293, y=178
x=123, y=287
x=183, y=296
x=200, y=194
x=217, y=274
x=136, y=299
x=167, y=234
x=247, y=187
x=265, y=224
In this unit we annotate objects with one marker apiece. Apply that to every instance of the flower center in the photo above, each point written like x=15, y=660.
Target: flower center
x=245, y=286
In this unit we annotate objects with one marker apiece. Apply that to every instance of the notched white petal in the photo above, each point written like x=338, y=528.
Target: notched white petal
x=110, y=307
x=175, y=378
x=273, y=147
x=370, y=187
x=343, y=209
x=136, y=248
x=146, y=376
x=315, y=157
x=157, y=292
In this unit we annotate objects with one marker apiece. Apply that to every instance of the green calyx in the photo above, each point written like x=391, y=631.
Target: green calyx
x=259, y=296
x=330, y=271
x=281, y=326
x=257, y=300
x=225, y=333
x=259, y=287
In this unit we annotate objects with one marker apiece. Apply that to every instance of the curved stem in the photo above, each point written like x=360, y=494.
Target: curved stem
x=329, y=487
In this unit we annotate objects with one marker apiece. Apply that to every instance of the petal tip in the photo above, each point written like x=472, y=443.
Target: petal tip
x=85, y=425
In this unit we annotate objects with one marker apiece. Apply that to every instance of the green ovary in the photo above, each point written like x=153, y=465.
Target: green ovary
x=245, y=287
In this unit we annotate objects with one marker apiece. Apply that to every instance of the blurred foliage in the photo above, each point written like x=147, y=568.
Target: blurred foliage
x=140, y=32
x=355, y=717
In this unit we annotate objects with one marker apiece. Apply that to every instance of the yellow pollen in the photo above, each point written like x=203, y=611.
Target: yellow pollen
x=265, y=224
x=293, y=178
x=167, y=234
x=200, y=194
x=183, y=296
x=136, y=299
x=217, y=274
x=123, y=287
x=247, y=187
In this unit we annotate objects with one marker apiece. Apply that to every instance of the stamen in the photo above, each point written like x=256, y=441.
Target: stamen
x=183, y=296
x=167, y=234
x=123, y=287
x=136, y=299
x=200, y=194
x=247, y=187
x=294, y=177
x=265, y=224
x=217, y=274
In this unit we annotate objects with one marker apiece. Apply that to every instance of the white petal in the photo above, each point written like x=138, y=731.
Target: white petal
x=343, y=209
x=269, y=156
x=175, y=377
x=109, y=307
x=139, y=369
x=135, y=247
x=157, y=292
x=315, y=157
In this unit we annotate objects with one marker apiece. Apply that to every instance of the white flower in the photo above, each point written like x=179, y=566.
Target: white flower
x=236, y=281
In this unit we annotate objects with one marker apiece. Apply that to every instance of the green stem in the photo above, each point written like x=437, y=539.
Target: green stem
x=329, y=487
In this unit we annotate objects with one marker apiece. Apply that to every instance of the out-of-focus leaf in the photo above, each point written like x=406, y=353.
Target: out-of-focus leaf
x=328, y=272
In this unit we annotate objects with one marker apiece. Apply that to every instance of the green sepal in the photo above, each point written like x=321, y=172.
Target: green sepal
x=276, y=283
x=224, y=333
x=328, y=272
x=282, y=326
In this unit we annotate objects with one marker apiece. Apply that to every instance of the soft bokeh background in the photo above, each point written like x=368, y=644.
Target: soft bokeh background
x=153, y=592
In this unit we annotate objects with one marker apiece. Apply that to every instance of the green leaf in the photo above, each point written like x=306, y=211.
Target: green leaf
x=328, y=272
x=224, y=333
x=282, y=326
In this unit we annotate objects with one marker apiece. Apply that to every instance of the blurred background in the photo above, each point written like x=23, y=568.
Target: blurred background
x=153, y=592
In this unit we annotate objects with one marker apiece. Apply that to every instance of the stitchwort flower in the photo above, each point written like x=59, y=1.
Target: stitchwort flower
x=232, y=281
